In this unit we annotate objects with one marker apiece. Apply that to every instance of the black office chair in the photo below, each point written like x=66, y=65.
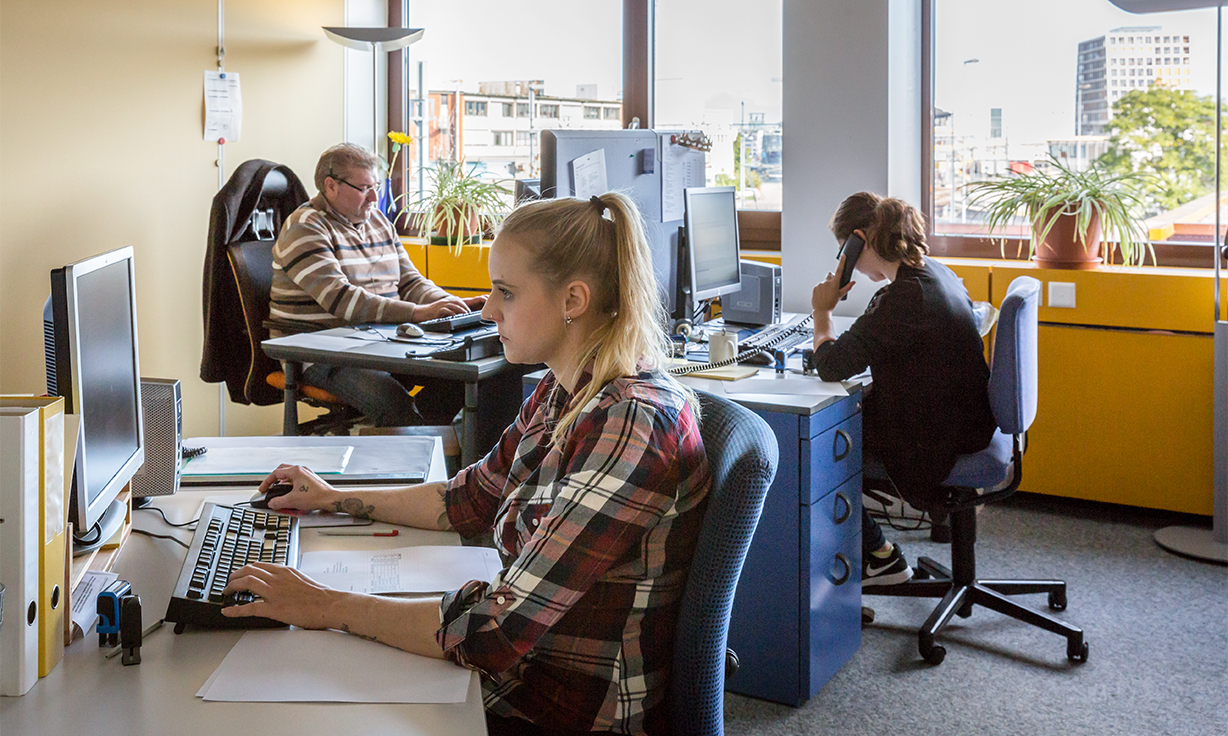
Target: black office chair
x=252, y=264
x=742, y=455
x=979, y=478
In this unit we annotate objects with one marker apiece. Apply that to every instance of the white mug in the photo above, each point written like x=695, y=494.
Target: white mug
x=722, y=346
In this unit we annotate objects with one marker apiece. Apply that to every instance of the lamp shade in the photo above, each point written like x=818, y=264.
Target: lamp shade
x=364, y=39
x=1163, y=6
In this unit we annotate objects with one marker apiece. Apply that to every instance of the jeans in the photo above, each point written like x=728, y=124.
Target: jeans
x=383, y=399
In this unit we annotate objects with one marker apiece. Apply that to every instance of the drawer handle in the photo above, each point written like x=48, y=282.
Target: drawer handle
x=848, y=570
x=837, y=516
x=837, y=453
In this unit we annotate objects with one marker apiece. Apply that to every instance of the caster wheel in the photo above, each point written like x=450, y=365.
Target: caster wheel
x=935, y=655
x=867, y=616
x=1077, y=653
x=1057, y=600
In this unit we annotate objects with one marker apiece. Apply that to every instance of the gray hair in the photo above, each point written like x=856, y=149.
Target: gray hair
x=341, y=159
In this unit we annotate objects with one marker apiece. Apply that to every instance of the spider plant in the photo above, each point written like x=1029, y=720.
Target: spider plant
x=1045, y=196
x=456, y=203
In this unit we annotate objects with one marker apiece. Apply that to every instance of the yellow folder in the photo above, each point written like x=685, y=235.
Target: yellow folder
x=53, y=594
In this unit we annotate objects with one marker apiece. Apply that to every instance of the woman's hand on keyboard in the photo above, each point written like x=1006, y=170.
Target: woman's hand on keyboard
x=283, y=594
x=310, y=491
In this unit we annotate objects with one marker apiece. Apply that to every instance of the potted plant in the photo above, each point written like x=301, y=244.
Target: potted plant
x=1068, y=211
x=458, y=205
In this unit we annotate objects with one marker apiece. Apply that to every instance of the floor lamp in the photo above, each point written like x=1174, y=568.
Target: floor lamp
x=374, y=40
x=1211, y=544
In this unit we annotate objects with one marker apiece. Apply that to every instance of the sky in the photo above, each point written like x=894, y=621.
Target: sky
x=715, y=55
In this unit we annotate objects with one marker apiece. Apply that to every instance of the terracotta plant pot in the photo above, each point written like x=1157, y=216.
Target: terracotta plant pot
x=1063, y=248
x=464, y=229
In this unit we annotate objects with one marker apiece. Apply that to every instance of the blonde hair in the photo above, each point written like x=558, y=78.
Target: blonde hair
x=893, y=228
x=573, y=238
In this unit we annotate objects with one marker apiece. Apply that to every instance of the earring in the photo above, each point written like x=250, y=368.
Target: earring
x=567, y=319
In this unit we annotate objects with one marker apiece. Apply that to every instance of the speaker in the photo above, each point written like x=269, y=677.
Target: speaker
x=758, y=302
x=163, y=409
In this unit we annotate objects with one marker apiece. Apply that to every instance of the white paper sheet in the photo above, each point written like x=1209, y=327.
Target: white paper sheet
x=791, y=386
x=588, y=174
x=85, y=600
x=674, y=176
x=223, y=106
x=424, y=569
x=257, y=460
x=300, y=666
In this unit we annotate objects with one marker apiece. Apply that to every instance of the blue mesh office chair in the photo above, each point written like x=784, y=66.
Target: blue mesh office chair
x=742, y=455
x=1012, y=394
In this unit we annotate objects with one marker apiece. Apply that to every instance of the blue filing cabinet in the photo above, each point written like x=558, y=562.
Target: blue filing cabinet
x=797, y=613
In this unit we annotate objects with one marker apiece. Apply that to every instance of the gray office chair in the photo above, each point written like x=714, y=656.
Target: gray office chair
x=1013, y=395
x=742, y=455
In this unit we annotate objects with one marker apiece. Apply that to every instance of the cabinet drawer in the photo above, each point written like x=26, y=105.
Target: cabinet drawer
x=831, y=415
x=833, y=603
x=835, y=456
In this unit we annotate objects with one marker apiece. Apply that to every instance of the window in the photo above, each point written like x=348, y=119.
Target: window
x=592, y=113
x=733, y=95
x=999, y=108
x=494, y=53
x=547, y=111
x=613, y=113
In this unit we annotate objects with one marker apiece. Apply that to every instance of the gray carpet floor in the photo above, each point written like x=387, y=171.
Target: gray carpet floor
x=1157, y=625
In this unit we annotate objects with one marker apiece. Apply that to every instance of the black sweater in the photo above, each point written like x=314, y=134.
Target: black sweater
x=929, y=402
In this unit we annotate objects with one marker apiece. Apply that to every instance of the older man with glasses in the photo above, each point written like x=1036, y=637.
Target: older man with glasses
x=338, y=261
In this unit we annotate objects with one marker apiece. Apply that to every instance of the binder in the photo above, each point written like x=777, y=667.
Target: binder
x=53, y=594
x=19, y=546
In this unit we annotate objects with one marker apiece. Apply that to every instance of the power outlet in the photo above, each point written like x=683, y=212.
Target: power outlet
x=1062, y=294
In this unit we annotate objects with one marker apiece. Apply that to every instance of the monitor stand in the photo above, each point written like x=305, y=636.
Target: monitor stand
x=111, y=522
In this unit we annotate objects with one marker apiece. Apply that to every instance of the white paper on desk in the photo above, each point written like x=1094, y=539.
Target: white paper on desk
x=223, y=106
x=311, y=341
x=301, y=666
x=424, y=569
x=588, y=174
x=264, y=460
x=85, y=600
x=791, y=386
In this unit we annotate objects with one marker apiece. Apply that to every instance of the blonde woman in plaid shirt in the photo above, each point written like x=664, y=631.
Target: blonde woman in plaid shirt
x=594, y=495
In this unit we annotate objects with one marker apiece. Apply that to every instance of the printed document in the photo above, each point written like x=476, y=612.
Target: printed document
x=424, y=569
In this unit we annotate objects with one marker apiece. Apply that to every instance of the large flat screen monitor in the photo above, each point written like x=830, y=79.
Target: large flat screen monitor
x=712, y=241
x=92, y=361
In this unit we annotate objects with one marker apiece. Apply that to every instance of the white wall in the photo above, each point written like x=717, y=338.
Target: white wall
x=852, y=121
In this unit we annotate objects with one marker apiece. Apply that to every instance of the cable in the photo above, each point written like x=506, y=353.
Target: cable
x=745, y=353
x=176, y=540
x=168, y=521
x=191, y=452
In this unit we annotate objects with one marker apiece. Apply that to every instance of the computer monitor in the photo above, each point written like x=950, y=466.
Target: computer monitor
x=92, y=357
x=712, y=241
x=527, y=190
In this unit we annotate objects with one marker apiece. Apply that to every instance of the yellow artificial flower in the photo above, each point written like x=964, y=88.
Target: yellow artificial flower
x=397, y=137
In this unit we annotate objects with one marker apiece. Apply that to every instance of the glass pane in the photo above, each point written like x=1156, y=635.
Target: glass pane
x=719, y=69
x=1084, y=92
x=564, y=56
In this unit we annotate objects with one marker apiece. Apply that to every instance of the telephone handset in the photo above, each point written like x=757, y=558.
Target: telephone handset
x=851, y=250
x=745, y=352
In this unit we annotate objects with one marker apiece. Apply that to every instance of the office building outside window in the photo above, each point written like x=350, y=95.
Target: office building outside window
x=731, y=89
x=1002, y=109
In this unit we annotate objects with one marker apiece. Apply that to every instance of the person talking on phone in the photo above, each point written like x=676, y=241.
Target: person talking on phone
x=929, y=402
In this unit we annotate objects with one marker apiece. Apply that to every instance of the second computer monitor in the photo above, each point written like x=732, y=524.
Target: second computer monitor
x=712, y=241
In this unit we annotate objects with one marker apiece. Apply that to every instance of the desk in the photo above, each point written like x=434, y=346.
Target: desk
x=797, y=612
x=294, y=350
x=89, y=694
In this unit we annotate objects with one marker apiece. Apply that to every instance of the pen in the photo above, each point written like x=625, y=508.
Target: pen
x=389, y=533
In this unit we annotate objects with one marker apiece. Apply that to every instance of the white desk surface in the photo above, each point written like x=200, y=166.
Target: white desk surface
x=86, y=693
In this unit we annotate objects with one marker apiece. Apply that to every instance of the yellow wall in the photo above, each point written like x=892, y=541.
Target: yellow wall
x=101, y=124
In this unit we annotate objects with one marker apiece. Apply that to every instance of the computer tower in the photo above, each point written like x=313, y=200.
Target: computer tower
x=758, y=302
x=163, y=408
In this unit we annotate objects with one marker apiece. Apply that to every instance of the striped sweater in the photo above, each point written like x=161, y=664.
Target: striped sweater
x=330, y=272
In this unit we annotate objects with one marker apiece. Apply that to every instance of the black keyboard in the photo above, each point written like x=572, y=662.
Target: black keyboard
x=227, y=538
x=452, y=322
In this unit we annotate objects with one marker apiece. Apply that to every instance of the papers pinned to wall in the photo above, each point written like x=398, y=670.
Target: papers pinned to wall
x=223, y=107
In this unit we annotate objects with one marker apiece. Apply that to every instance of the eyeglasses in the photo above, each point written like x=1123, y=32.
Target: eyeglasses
x=364, y=191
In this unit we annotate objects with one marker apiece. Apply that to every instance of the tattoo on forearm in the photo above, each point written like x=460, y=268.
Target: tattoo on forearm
x=346, y=629
x=354, y=507
x=443, y=523
x=303, y=488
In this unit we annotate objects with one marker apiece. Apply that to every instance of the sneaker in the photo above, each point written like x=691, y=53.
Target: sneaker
x=890, y=570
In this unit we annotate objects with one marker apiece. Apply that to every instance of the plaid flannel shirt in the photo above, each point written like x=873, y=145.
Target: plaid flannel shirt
x=577, y=632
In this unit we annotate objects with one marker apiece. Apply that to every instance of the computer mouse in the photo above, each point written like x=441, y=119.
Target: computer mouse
x=409, y=329
x=279, y=488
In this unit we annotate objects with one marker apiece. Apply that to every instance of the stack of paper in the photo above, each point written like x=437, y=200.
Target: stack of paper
x=406, y=570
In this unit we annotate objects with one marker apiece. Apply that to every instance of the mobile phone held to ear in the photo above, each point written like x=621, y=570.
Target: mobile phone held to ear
x=851, y=250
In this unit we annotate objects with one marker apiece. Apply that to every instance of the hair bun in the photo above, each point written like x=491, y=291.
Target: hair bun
x=598, y=204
